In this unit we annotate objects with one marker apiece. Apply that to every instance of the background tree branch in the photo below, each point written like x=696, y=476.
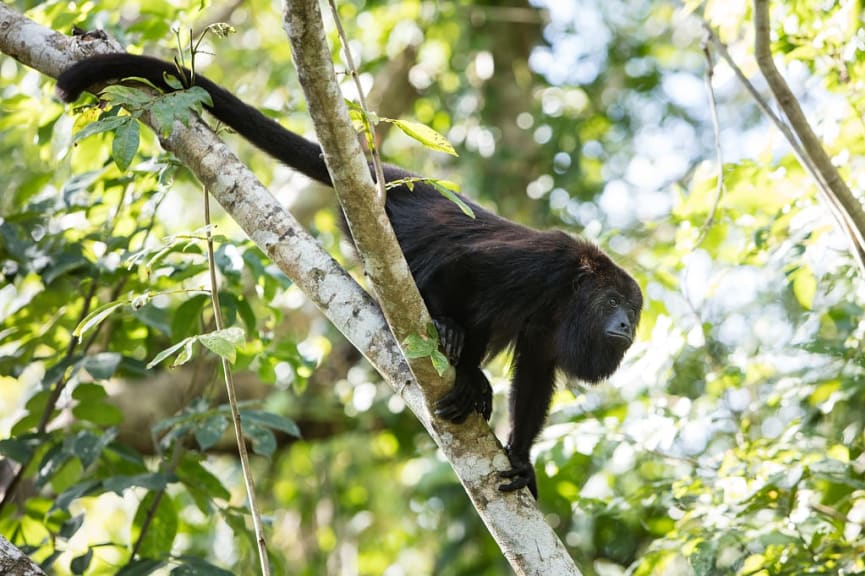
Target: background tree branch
x=846, y=208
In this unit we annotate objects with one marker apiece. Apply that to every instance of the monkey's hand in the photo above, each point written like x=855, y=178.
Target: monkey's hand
x=471, y=391
x=451, y=338
x=521, y=474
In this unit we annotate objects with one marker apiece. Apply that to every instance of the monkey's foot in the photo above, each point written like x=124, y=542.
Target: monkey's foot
x=521, y=474
x=451, y=338
x=471, y=391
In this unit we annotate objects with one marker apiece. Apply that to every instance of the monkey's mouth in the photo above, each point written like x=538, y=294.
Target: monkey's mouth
x=621, y=338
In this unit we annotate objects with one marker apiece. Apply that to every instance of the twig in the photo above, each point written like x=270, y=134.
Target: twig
x=719, y=154
x=361, y=99
x=154, y=506
x=248, y=479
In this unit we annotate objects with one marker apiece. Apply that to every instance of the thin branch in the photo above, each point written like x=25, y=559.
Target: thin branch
x=376, y=157
x=231, y=391
x=804, y=159
x=848, y=209
x=154, y=506
x=384, y=263
x=719, y=153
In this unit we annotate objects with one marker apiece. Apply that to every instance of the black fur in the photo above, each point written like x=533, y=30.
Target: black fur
x=489, y=283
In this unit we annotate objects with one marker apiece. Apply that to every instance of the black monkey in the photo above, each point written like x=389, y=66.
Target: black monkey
x=490, y=284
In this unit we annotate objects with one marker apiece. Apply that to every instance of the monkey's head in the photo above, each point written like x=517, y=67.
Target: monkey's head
x=600, y=320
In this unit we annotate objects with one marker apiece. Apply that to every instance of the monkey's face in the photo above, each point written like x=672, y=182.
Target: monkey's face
x=599, y=324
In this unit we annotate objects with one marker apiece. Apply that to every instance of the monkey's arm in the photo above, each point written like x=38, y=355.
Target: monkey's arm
x=531, y=392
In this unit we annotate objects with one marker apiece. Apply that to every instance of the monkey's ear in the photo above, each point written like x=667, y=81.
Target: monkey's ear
x=586, y=265
x=585, y=269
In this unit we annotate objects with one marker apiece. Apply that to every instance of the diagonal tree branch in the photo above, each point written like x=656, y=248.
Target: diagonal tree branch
x=386, y=267
x=15, y=563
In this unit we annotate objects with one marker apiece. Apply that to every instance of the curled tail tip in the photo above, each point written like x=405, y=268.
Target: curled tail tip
x=67, y=89
x=65, y=95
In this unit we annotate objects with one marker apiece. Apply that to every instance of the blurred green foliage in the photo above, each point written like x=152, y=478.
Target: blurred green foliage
x=730, y=442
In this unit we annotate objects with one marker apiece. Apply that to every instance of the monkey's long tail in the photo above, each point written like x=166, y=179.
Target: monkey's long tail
x=264, y=132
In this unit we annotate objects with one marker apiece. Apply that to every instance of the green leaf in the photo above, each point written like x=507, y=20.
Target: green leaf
x=71, y=526
x=453, y=197
x=269, y=420
x=159, y=536
x=173, y=81
x=79, y=564
x=102, y=365
x=185, y=321
x=186, y=343
x=702, y=559
x=208, y=432
x=439, y=361
x=192, y=566
x=224, y=342
x=51, y=463
x=99, y=413
x=417, y=346
x=16, y=449
x=149, y=480
x=196, y=477
x=263, y=440
x=131, y=98
x=87, y=446
x=424, y=134
x=246, y=314
x=107, y=124
x=178, y=106
x=804, y=286
x=89, y=392
x=65, y=498
x=97, y=316
x=141, y=567
x=126, y=140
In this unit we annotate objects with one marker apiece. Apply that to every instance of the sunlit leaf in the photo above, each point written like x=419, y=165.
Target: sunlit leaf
x=424, y=134
x=804, y=286
x=159, y=533
x=185, y=344
x=96, y=317
x=224, y=342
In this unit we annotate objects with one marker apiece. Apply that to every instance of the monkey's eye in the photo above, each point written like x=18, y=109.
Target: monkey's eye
x=613, y=303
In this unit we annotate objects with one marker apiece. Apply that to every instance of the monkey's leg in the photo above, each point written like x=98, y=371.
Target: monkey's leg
x=472, y=390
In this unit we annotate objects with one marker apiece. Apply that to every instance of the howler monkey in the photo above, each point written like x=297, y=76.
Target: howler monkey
x=489, y=284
